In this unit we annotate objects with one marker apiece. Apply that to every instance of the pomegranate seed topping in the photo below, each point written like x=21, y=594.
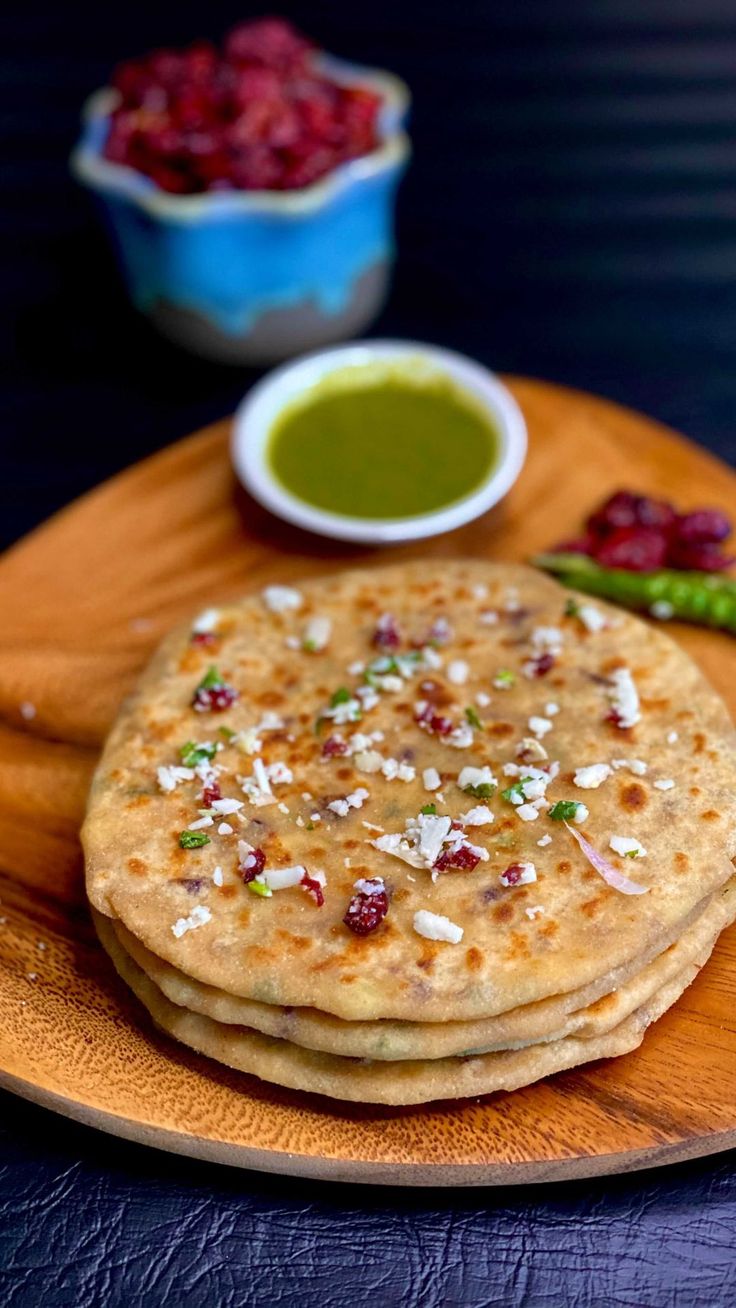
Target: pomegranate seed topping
x=333, y=747
x=615, y=718
x=204, y=638
x=214, y=699
x=386, y=635
x=660, y=515
x=428, y=720
x=365, y=912
x=703, y=527
x=259, y=114
x=463, y=859
x=210, y=794
x=252, y=865
x=624, y=510
x=213, y=694
x=513, y=874
x=542, y=664
x=313, y=888
x=637, y=549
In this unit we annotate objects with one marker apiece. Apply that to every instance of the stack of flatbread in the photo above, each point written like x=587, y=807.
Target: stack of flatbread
x=415, y=833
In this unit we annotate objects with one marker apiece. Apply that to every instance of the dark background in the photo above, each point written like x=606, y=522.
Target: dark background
x=570, y=213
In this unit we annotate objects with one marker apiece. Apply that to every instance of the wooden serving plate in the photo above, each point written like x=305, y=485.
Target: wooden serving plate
x=84, y=600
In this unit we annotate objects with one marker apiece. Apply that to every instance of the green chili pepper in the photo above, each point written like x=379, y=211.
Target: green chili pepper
x=707, y=598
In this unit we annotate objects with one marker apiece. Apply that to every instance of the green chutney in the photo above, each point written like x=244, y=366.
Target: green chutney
x=383, y=441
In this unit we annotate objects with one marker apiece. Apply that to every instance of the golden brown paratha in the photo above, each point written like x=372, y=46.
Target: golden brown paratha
x=584, y=1013
x=365, y=1082
x=485, y=625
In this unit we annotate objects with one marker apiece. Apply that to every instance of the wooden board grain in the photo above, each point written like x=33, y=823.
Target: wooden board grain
x=85, y=599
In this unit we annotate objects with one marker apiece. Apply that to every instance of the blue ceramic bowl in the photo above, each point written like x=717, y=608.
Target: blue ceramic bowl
x=256, y=276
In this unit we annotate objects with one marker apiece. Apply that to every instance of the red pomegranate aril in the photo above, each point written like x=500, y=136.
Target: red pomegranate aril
x=699, y=557
x=210, y=793
x=619, y=510
x=252, y=865
x=660, y=515
x=214, y=699
x=365, y=912
x=637, y=549
x=703, y=527
x=269, y=42
x=434, y=722
x=334, y=747
x=513, y=874
x=386, y=634
x=463, y=859
x=204, y=638
x=313, y=888
x=542, y=664
x=614, y=717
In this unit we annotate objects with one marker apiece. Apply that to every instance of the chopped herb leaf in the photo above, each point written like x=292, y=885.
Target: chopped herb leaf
x=227, y=733
x=572, y=608
x=260, y=888
x=504, y=677
x=564, y=810
x=473, y=718
x=309, y=826
x=632, y=853
x=516, y=790
x=193, y=839
x=429, y=810
x=211, y=679
x=484, y=790
x=309, y=646
x=192, y=753
x=340, y=696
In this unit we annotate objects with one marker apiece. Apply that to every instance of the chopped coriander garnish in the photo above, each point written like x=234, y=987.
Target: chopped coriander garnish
x=632, y=853
x=572, y=608
x=429, y=810
x=473, y=718
x=309, y=646
x=340, y=696
x=227, y=733
x=564, y=810
x=211, y=679
x=484, y=790
x=504, y=677
x=193, y=839
x=309, y=826
x=517, y=790
x=192, y=753
x=260, y=888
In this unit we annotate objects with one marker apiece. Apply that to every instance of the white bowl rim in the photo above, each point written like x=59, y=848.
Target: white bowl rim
x=101, y=174
x=257, y=412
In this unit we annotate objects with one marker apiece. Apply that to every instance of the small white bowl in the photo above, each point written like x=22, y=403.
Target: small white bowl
x=256, y=416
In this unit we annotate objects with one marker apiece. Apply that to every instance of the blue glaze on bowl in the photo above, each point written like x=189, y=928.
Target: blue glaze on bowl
x=230, y=257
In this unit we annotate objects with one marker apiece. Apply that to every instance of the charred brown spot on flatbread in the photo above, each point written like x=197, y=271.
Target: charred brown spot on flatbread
x=633, y=796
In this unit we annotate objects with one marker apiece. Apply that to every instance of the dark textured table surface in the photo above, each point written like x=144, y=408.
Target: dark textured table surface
x=570, y=213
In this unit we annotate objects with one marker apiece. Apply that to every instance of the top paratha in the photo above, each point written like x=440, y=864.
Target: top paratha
x=476, y=621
